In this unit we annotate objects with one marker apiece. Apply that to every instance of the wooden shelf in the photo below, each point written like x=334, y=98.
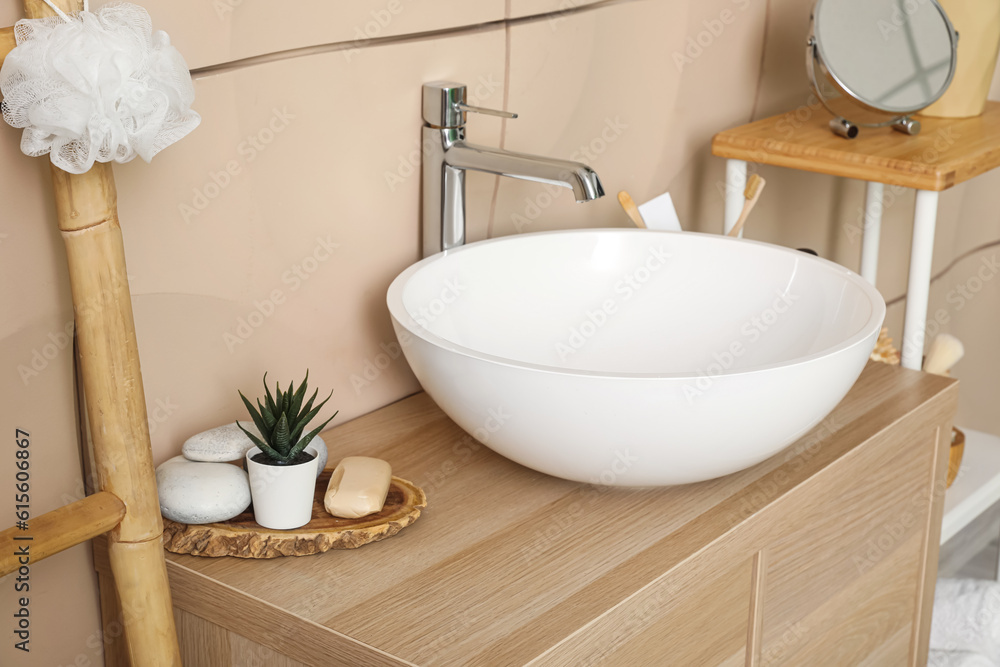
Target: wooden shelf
x=946, y=152
x=977, y=487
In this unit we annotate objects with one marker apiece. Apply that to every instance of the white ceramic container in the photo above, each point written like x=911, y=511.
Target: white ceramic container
x=282, y=495
x=633, y=357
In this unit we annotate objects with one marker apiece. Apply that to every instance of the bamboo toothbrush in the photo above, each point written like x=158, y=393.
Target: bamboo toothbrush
x=755, y=185
x=625, y=199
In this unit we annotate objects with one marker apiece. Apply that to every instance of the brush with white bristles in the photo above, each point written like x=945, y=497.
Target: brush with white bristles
x=755, y=185
x=944, y=353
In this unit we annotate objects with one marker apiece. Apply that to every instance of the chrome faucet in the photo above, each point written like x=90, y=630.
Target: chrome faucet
x=447, y=156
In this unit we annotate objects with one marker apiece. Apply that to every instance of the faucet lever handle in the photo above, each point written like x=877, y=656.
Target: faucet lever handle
x=462, y=106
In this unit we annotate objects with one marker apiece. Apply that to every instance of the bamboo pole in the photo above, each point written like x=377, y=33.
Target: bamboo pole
x=86, y=208
x=87, y=213
x=59, y=530
x=7, y=42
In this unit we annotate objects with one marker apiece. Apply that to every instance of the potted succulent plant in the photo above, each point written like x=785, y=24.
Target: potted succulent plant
x=282, y=466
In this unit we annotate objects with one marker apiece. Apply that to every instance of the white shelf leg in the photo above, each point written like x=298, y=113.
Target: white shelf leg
x=736, y=183
x=872, y=232
x=918, y=286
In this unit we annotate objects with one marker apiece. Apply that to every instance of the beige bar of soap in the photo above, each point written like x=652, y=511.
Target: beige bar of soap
x=358, y=487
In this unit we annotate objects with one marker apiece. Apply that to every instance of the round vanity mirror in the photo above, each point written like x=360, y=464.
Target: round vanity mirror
x=875, y=62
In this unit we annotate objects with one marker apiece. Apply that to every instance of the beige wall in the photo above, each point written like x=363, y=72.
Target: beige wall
x=297, y=199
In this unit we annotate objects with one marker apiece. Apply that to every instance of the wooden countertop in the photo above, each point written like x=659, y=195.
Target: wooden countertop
x=946, y=151
x=505, y=563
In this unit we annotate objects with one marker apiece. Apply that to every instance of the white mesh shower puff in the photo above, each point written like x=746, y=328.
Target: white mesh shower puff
x=96, y=86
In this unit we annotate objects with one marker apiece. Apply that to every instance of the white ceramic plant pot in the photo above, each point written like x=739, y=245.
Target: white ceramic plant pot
x=282, y=495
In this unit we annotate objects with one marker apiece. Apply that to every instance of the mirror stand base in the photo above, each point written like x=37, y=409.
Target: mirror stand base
x=906, y=125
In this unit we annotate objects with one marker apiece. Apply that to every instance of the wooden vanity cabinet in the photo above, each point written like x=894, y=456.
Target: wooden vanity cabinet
x=825, y=554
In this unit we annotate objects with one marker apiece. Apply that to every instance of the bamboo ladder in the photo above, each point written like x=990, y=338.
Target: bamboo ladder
x=126, y=507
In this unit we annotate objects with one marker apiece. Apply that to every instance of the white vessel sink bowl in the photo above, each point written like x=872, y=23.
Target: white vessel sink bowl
x=633, y=357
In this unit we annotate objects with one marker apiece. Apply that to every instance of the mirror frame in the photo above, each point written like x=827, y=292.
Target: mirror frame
x=898, y=119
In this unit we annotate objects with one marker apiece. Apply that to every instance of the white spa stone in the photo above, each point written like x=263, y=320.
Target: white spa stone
x=219, y=444
x=229, y=443
x=199, y=492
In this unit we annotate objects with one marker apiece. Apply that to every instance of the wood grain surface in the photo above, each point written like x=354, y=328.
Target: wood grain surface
x=511, y=567
x=946, y=152
x=243, y=537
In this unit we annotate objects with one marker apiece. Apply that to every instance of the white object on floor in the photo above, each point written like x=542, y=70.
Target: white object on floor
x=958, y=659
x=659, y=214
x=967, y=617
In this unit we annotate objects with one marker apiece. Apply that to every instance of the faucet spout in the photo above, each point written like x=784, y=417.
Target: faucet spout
x=447, y=156
x=576, y=176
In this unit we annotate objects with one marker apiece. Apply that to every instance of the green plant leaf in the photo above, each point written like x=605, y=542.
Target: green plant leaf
x=286, y=401
x=281, y=438
x=293, y=409
x=269, y=419
x=268, y=399
x=306, y=418
x=306, y=439
x=257, y=419
x=273, y=454
x=257, y=441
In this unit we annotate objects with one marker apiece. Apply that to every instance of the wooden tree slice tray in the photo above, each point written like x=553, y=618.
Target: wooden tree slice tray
x=243, y=537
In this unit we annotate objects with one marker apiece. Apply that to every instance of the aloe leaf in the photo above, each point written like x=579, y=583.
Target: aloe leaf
x=293, y=409
x=306, y=439
x=306, y=418
x=257, y=419
x=315, y=411
x=269, y=400
x=269, y=418
x=282, y=437
x=257, y=441
x=273, y=454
